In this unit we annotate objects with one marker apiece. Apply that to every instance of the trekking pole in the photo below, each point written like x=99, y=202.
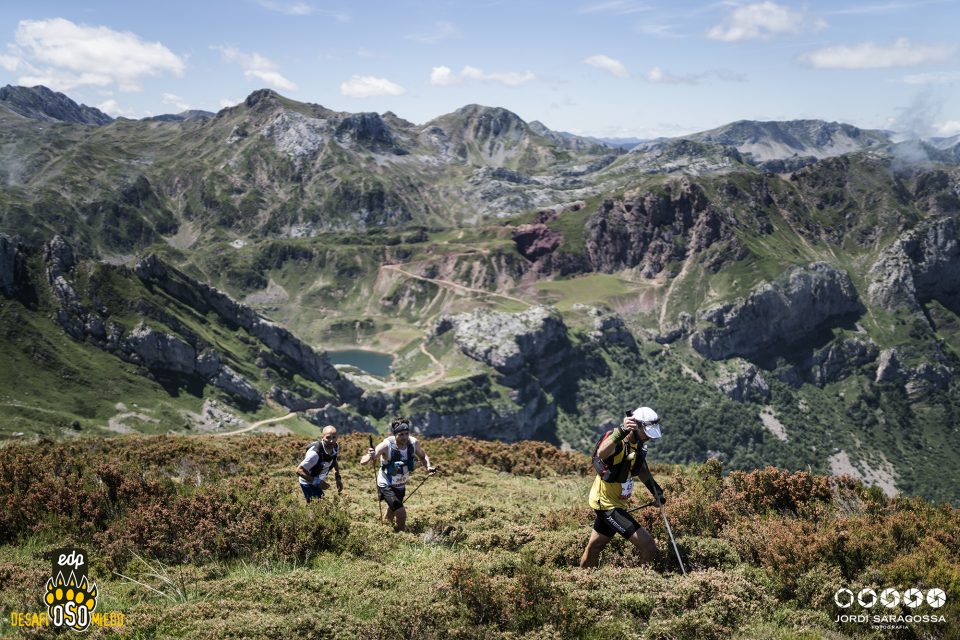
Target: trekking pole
x=663, y=512
x=407, y=498
x=643, y=506
x=376, y=489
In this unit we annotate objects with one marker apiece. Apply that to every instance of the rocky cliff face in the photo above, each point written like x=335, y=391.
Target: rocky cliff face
x=778, y=313
x=508, y=341
x=11, y=266
x=832, y=363
x=743, y=382
x=653, y=228
x=185, y=356
x=530, y=351
x=291, y=351
x=922, y=265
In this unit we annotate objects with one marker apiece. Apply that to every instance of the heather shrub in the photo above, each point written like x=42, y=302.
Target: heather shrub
x=219, y=524
x=518, y=596
x=559, y=548
x=499, y=535
x=816, y=586
x=703, y=553
x=706, y=605
x=774, y=489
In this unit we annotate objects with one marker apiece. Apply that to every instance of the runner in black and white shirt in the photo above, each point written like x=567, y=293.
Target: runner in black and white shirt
x=320, y=459
x=397, y=455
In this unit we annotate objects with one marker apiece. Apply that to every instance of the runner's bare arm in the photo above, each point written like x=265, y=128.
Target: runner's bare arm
x=377, y=453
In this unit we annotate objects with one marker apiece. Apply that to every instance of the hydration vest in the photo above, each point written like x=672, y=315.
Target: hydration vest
x=396, y=462
x=324, y=457
x=620, y=471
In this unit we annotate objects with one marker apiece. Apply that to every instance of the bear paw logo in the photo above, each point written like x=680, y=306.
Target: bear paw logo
x=69, y=603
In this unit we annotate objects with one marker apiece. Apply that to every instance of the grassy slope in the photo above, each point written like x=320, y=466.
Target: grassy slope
x=491, y=553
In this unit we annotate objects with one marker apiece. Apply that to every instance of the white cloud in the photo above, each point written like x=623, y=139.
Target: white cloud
x=934, y=77
x=369, y=86
x=176, y=101
x=761, y=20
x=615, y=7
x=229, y=102
x=508, y=78
x=64, y=55
x=111, y=108
x=442, y=31
x=657, y=75
x=659, y=30
x=10, y=63
x=948, y=128
x=443, y=76
x=606, y=63
x=302, y=9
x=868, y=55
x=256, y=66
x=888, y=7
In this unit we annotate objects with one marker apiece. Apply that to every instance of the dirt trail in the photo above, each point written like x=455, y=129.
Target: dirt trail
x=455, y=285
x=435, y=377
x=292, y=414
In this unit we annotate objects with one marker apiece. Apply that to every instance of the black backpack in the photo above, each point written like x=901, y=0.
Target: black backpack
x=324, y=457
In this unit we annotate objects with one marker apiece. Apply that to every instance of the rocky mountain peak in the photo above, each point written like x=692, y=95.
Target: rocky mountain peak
x=261, y=98
x=366, y=129
x=40, y=103
x=768, y=141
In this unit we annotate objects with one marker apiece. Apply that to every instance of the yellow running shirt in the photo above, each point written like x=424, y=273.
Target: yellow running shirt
x=613, y=495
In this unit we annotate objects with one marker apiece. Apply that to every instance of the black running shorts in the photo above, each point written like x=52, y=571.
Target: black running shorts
x=610, y=523
x=393, y=496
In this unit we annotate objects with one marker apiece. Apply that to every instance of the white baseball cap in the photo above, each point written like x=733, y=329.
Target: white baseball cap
x=649, y=420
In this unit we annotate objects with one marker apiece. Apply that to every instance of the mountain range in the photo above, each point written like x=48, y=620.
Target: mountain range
x=783, y=292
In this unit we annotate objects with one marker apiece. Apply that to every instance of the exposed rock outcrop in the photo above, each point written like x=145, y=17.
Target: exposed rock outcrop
x=536, y=240
x=160, y=351
x=369, y=131
x=840, y=359
x=530, y=351
x=777, y=313
x=837, y=360
x=743, y=382
x=609, y=329
x=486, y=422
x=11, y=266
x=508, y=341
x=343, y=421
x=674, y=331
x=156, y=350
x=58, y=255
x=926, y=379
x=234, y=384
x=652, y=229
x=922, y=265
x=294, y=353
x=888, y=367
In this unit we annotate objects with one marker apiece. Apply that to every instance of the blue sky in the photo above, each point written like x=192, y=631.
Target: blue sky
x=605, y=67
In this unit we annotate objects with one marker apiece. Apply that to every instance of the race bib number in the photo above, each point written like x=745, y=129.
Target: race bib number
x=626, y=489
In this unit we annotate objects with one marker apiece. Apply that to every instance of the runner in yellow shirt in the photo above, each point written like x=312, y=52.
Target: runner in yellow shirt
x=620, y=457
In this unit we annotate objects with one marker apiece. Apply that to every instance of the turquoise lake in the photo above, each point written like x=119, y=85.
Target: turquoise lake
x=370, y=361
